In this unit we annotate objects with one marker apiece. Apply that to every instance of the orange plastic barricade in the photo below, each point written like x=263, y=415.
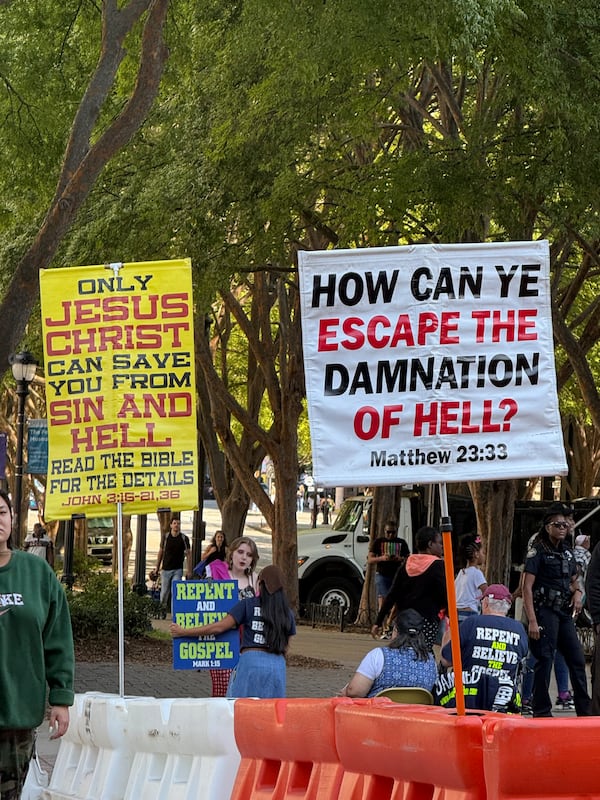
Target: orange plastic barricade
x=401, y=752
x=287, y=748
x=549, y=758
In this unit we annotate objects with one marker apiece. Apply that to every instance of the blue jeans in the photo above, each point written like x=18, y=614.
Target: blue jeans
x=258, y=674
x=561, y=673
x=167, y=576
x=383, y=584
x=558, y=633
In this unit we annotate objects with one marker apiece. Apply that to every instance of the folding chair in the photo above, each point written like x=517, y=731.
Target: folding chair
x=407, y=694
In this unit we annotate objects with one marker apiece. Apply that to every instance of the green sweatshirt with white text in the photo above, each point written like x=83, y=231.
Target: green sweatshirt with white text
x=36, y=642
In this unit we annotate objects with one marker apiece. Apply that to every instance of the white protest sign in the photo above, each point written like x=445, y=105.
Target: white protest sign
x=430, y=363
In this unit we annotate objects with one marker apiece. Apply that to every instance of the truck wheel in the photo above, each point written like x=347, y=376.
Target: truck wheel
x=338, y=592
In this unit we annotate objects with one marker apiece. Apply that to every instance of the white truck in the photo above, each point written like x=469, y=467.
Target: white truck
x=332, y=562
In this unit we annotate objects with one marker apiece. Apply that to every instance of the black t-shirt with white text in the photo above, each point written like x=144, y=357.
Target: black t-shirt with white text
x=492, y=649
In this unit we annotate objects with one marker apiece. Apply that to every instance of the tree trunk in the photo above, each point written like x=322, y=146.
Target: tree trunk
x=494, y=503
x=127, y=545
x=386, y=502
x=267, y=314
x=234, y=511
x=87, y=151
x=582, y=444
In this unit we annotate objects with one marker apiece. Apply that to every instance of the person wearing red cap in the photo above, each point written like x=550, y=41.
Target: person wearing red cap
x=492, y=647
x=267, y=625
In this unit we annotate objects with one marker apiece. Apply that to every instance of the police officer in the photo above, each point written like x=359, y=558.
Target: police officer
x=552, y=600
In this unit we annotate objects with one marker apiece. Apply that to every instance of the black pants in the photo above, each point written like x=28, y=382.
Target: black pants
x=558, y=634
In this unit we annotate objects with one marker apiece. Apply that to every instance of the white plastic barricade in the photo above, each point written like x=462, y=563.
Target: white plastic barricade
x=94, y=757
x=184, y=749
x=141, y=747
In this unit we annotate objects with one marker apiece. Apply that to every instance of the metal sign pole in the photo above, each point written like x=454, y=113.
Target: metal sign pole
x=446, y=531
x=120, y=578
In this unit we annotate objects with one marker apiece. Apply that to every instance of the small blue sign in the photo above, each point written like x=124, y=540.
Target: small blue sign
x=3, y=456
x=197, y=603
x=37, y=446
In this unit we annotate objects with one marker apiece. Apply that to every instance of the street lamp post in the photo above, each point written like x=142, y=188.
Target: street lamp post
x=24, y=368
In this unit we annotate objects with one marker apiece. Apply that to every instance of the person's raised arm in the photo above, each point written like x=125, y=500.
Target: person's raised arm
x=210, y=549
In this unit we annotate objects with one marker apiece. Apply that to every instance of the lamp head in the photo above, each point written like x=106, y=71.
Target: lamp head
x=23, y=366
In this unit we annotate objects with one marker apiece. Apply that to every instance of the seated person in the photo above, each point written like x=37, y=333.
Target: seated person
x=405, y=661
x=492, y=649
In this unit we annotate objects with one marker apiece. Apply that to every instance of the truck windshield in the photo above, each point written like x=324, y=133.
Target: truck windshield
x=349, y=514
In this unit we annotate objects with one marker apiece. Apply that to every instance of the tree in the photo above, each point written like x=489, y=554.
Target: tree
x=267, y=313
x=93, y=141
x=239, y=377
x=402, y=128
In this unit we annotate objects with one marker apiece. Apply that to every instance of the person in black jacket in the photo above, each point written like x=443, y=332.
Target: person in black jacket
x=420, y=584
x=552, y=600
x=592, y=592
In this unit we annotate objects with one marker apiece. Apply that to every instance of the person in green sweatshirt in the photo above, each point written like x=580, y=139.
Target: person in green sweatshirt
x=36, y=654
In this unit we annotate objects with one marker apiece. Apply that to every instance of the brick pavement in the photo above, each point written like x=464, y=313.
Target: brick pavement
x=343, y=651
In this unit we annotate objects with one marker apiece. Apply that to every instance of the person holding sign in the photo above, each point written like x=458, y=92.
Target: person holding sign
x=36, y=654
x=242, y=558
x=268, y=623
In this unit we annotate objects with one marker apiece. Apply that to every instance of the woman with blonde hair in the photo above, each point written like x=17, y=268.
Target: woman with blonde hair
x=242, y=558
x=268, y=623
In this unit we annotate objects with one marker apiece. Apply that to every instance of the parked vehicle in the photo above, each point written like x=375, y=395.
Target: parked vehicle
x=332, y=563
x=100, y=539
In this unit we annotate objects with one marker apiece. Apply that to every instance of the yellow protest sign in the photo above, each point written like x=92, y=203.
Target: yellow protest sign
x=120, y=388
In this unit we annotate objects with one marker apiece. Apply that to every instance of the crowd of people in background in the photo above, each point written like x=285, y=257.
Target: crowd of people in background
x=506, y=660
